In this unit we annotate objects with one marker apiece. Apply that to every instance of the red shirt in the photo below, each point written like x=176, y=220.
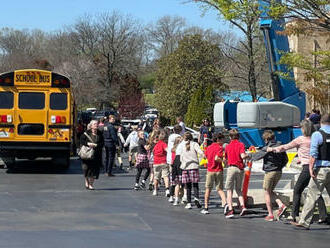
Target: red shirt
x=213, y=150
x=160, y=153
x=233, y=153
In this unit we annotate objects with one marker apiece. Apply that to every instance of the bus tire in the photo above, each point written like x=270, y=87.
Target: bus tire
x=62, y=162
x=9, y=162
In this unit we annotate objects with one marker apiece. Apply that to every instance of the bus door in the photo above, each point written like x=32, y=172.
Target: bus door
x=59, y=116
x=31, y=115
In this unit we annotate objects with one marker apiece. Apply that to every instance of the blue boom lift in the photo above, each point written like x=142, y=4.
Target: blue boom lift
x=280, y=114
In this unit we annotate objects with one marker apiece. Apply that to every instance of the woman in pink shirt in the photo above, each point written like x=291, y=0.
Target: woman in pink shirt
x=302, y=143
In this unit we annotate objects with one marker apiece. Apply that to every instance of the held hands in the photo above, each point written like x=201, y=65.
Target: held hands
x=273, y=149
x=311, y=172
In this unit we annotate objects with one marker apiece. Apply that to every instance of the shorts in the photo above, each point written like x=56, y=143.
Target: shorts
x=271, y=179
x=214, y=178
x=190, y=176
x=161, y=170
x=132, y=151
x=234, y=179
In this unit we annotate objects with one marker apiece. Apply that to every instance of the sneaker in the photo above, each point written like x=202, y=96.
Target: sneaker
x=167, y=193
x=197, y=203
x=171, y=199
x=323, y=222
x=205, y=211
x=299, y=226
x=143, y=184
x=151, y=187
x=176, y=202
x=188, y=206
x=225, y=209
x=136, y=187
x=243, y=212
x=269, y=218
x=229, y=214
x=291, y=218
x=281, y=210
x=154, y=193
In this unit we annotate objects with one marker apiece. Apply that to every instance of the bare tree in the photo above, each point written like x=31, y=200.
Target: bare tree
x=22, y=49
x=165, y=34
x=113, y=43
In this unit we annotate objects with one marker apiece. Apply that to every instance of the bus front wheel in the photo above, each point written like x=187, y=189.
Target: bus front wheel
x=9, y=162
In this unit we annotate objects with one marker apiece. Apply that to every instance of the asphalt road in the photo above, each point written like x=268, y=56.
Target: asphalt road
x=44, y=207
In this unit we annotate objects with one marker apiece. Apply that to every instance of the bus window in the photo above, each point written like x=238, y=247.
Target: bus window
x=6, y=100
x=31, y=100
x=58, y=101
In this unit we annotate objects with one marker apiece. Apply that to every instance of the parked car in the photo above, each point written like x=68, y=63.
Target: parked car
x=188, y=129
x=103, y=113
x=151, y=113
x=129, y=123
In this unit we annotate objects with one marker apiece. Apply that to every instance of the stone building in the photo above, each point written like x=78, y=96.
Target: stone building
x=306, y=44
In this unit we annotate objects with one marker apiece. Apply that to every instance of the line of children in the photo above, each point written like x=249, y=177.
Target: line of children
x=185, y=155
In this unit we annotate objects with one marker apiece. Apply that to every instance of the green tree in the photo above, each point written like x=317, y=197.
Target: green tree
x=309, y=14
x=196, y=63
x=243, y=14
x=200, y=106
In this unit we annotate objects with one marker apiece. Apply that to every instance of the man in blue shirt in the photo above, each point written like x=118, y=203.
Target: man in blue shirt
x=319, y=169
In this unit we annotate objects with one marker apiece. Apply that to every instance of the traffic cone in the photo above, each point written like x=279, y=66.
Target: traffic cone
x=247, y=175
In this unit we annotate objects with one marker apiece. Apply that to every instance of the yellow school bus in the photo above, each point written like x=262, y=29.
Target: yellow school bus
x=37, y=116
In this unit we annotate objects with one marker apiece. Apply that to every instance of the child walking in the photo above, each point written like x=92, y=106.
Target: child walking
x=189, y=165
x=161, y=169
x=214, y=176
x=176, y=173
x=273, y=164
x=142, y=161
x=234, y=155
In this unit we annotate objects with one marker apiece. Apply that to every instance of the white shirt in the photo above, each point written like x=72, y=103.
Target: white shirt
x=183, y=128
x=170, y=144
x=132, y=140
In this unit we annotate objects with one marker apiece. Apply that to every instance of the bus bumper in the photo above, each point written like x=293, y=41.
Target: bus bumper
x=34, y=149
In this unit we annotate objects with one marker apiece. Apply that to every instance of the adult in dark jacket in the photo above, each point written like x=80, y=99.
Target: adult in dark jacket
x=273, y=164
x=110, y=144
x=91, y=168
